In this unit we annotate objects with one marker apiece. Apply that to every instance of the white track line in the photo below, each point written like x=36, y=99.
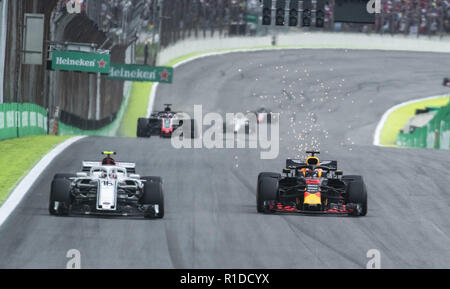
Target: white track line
x=151, y=99
x=25, y=184
x=380, y=125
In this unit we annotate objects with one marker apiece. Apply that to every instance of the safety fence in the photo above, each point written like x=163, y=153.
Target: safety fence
x=22, y=119
x=434, y=135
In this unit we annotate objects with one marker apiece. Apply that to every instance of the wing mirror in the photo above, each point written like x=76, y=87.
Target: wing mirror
x=339, y=173
x=82, y=175
x=286, y=171
x=134, y=176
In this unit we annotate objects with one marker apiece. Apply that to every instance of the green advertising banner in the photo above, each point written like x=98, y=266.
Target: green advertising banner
x=81, y=61
x=22, y=119
x=434, y=135
x=133, y=72
x=251, y=18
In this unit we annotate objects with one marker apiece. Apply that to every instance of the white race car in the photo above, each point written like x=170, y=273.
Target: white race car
x=107, y=187
x=248, y=122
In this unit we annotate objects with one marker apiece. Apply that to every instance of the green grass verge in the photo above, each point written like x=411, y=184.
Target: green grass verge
x=137, y=107
x=397, y=119
x=19, y=155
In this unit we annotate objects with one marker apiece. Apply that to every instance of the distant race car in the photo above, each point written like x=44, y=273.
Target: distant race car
x=243, y=123
x=311, y=187
x=163, y=124
x=107, y=187
x=446, y=81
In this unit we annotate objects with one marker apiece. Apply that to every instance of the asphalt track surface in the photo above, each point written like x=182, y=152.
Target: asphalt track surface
x=211, y=219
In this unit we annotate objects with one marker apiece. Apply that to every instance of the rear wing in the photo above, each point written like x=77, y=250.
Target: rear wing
x=295, y=163
x=130, y=167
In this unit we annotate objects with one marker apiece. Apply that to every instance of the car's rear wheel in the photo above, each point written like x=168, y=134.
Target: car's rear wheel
x=142, y=127
x=153, y=195
x=357, y=193
x=60, y=197
x=267, y=189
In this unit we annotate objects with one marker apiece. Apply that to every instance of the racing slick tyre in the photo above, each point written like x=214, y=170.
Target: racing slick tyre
x=266, y=190
x=60, y=197
x=351, y=178
x=153, y=195
x=357, y=194
x=142, y=127
x=64, y=176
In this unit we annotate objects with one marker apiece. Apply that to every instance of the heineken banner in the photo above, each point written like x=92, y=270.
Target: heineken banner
x=141, y=73
x=81, y=61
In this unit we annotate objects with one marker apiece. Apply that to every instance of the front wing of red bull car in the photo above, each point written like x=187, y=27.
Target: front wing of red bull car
x=311, y=187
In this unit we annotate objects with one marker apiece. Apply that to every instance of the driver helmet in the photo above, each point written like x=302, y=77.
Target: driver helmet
x=109, y=161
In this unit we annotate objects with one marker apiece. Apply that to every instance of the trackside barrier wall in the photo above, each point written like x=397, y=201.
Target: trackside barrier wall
x=108, y=130
x=435, y=135
x=22, y=119
x=112, y=128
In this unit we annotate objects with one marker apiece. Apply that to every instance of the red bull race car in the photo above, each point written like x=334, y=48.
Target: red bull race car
x=311, y=187
x=163, y=123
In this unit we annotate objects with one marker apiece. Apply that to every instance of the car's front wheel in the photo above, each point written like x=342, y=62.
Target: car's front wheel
x=267, y=189
x=357, y=194
x=64, y=176
x=153, y=197
x=60, y=197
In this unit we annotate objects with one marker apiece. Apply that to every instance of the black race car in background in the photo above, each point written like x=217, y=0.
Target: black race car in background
x=163, y=124
x=311, y=186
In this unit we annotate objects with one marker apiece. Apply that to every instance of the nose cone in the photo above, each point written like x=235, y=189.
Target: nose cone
x=312, y=199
